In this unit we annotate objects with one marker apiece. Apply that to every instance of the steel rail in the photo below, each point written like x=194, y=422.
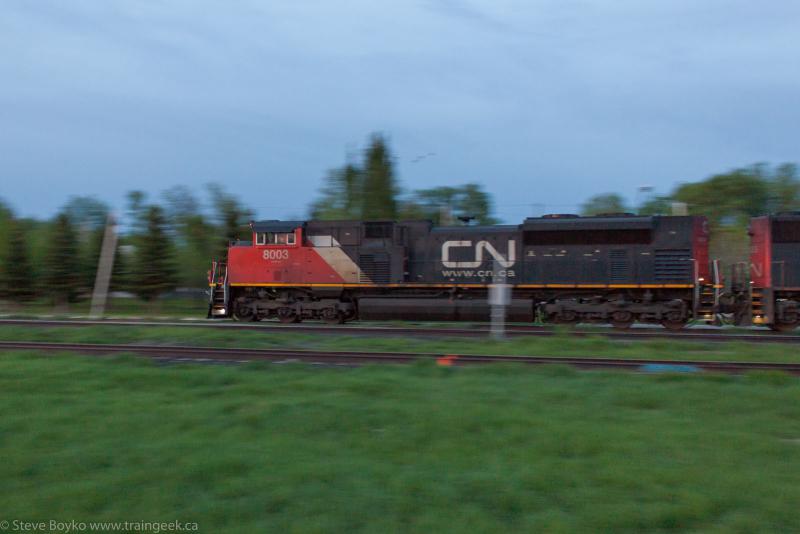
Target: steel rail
x=185, y=353
x=422, y=331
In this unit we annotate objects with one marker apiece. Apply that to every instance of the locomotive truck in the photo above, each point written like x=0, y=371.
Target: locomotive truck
x=616, y=269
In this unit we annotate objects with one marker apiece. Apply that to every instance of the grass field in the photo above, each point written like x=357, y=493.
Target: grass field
x=274, y=448
x=559, y=345
x=178, y=307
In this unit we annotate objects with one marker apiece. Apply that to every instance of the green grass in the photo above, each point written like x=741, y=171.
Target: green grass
x=561, y=344
x=272, y=448
x=117, y=307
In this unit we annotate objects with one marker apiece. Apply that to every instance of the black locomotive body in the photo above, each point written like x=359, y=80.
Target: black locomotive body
x=774, y=271
x=613, y=269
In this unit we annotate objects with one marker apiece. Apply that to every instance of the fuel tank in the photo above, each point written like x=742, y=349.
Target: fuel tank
x=439, y=309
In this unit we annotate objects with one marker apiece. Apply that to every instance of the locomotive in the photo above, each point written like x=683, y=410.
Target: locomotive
x=773, y=293
x=616, y=269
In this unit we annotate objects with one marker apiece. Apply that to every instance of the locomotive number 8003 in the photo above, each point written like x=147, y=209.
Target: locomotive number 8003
x=276, y=254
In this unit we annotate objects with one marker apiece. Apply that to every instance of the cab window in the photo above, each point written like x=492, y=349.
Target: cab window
x=275, y=238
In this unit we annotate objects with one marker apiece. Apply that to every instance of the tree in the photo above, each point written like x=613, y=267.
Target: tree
x=341, y=195
x=17, y=273
x=6, y=222
x=154, y=272
x=469, y=200
x=379, y=191
x=784, y=189
x=730, y=198
x=194, y=237
x=123, y=263
x=61, y=267
x=604, y=203
x=656, y=206
x=231, y=217
x=86, y=213
x=371, y=192
x=88, y=217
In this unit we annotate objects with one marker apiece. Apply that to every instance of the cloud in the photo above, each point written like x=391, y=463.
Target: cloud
x=543, y=101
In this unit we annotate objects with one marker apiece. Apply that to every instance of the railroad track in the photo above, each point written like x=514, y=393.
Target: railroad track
x=215, y=354
x=422, y=331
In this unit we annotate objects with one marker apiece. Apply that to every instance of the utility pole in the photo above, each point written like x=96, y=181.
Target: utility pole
x=105, y=265
x=499, y=298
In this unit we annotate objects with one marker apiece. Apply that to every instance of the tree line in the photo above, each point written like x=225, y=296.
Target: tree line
x=167, y=242
x=370, y=190
x=163, y=245
x=728, y=199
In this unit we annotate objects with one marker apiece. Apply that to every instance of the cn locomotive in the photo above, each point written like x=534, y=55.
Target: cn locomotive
x=772, y=296
x=616, y=269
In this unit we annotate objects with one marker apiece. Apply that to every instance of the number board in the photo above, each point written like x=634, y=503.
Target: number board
x=276, y=254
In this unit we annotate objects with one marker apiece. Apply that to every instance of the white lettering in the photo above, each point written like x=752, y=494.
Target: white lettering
x=506, y=261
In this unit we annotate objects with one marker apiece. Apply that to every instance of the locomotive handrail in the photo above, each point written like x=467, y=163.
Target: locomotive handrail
x=783, y=272
x=225, y=288
x=212, y=275
x=696, y=291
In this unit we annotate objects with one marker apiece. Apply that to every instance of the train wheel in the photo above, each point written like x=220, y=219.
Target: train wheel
x=287, y=316
x=674, y=321
x=243, y=312
x=622, y=320
x=673, y=325
x=566, y=318
x=332, y=316
x=789, y=322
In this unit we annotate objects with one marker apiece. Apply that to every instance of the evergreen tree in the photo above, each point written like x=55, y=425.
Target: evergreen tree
x=232, y=219
x=341, y=195
x=17, y=273
x=61, y=266
x=6, y=222
x=154, y=272
x=379, y=191
x=193, y=235
x=121, y=271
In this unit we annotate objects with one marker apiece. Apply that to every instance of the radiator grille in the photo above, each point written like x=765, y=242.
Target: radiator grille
x=375, y=268
x=620, y=265
x=673, y=264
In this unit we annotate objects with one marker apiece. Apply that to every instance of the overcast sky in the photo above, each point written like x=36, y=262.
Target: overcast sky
x=543, y=102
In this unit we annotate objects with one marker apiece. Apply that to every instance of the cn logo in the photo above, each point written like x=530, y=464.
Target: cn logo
x=480, y=247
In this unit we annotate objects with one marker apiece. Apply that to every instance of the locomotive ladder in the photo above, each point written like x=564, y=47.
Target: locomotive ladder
x=757, y=307
x=218, y=298
x=709, y=296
